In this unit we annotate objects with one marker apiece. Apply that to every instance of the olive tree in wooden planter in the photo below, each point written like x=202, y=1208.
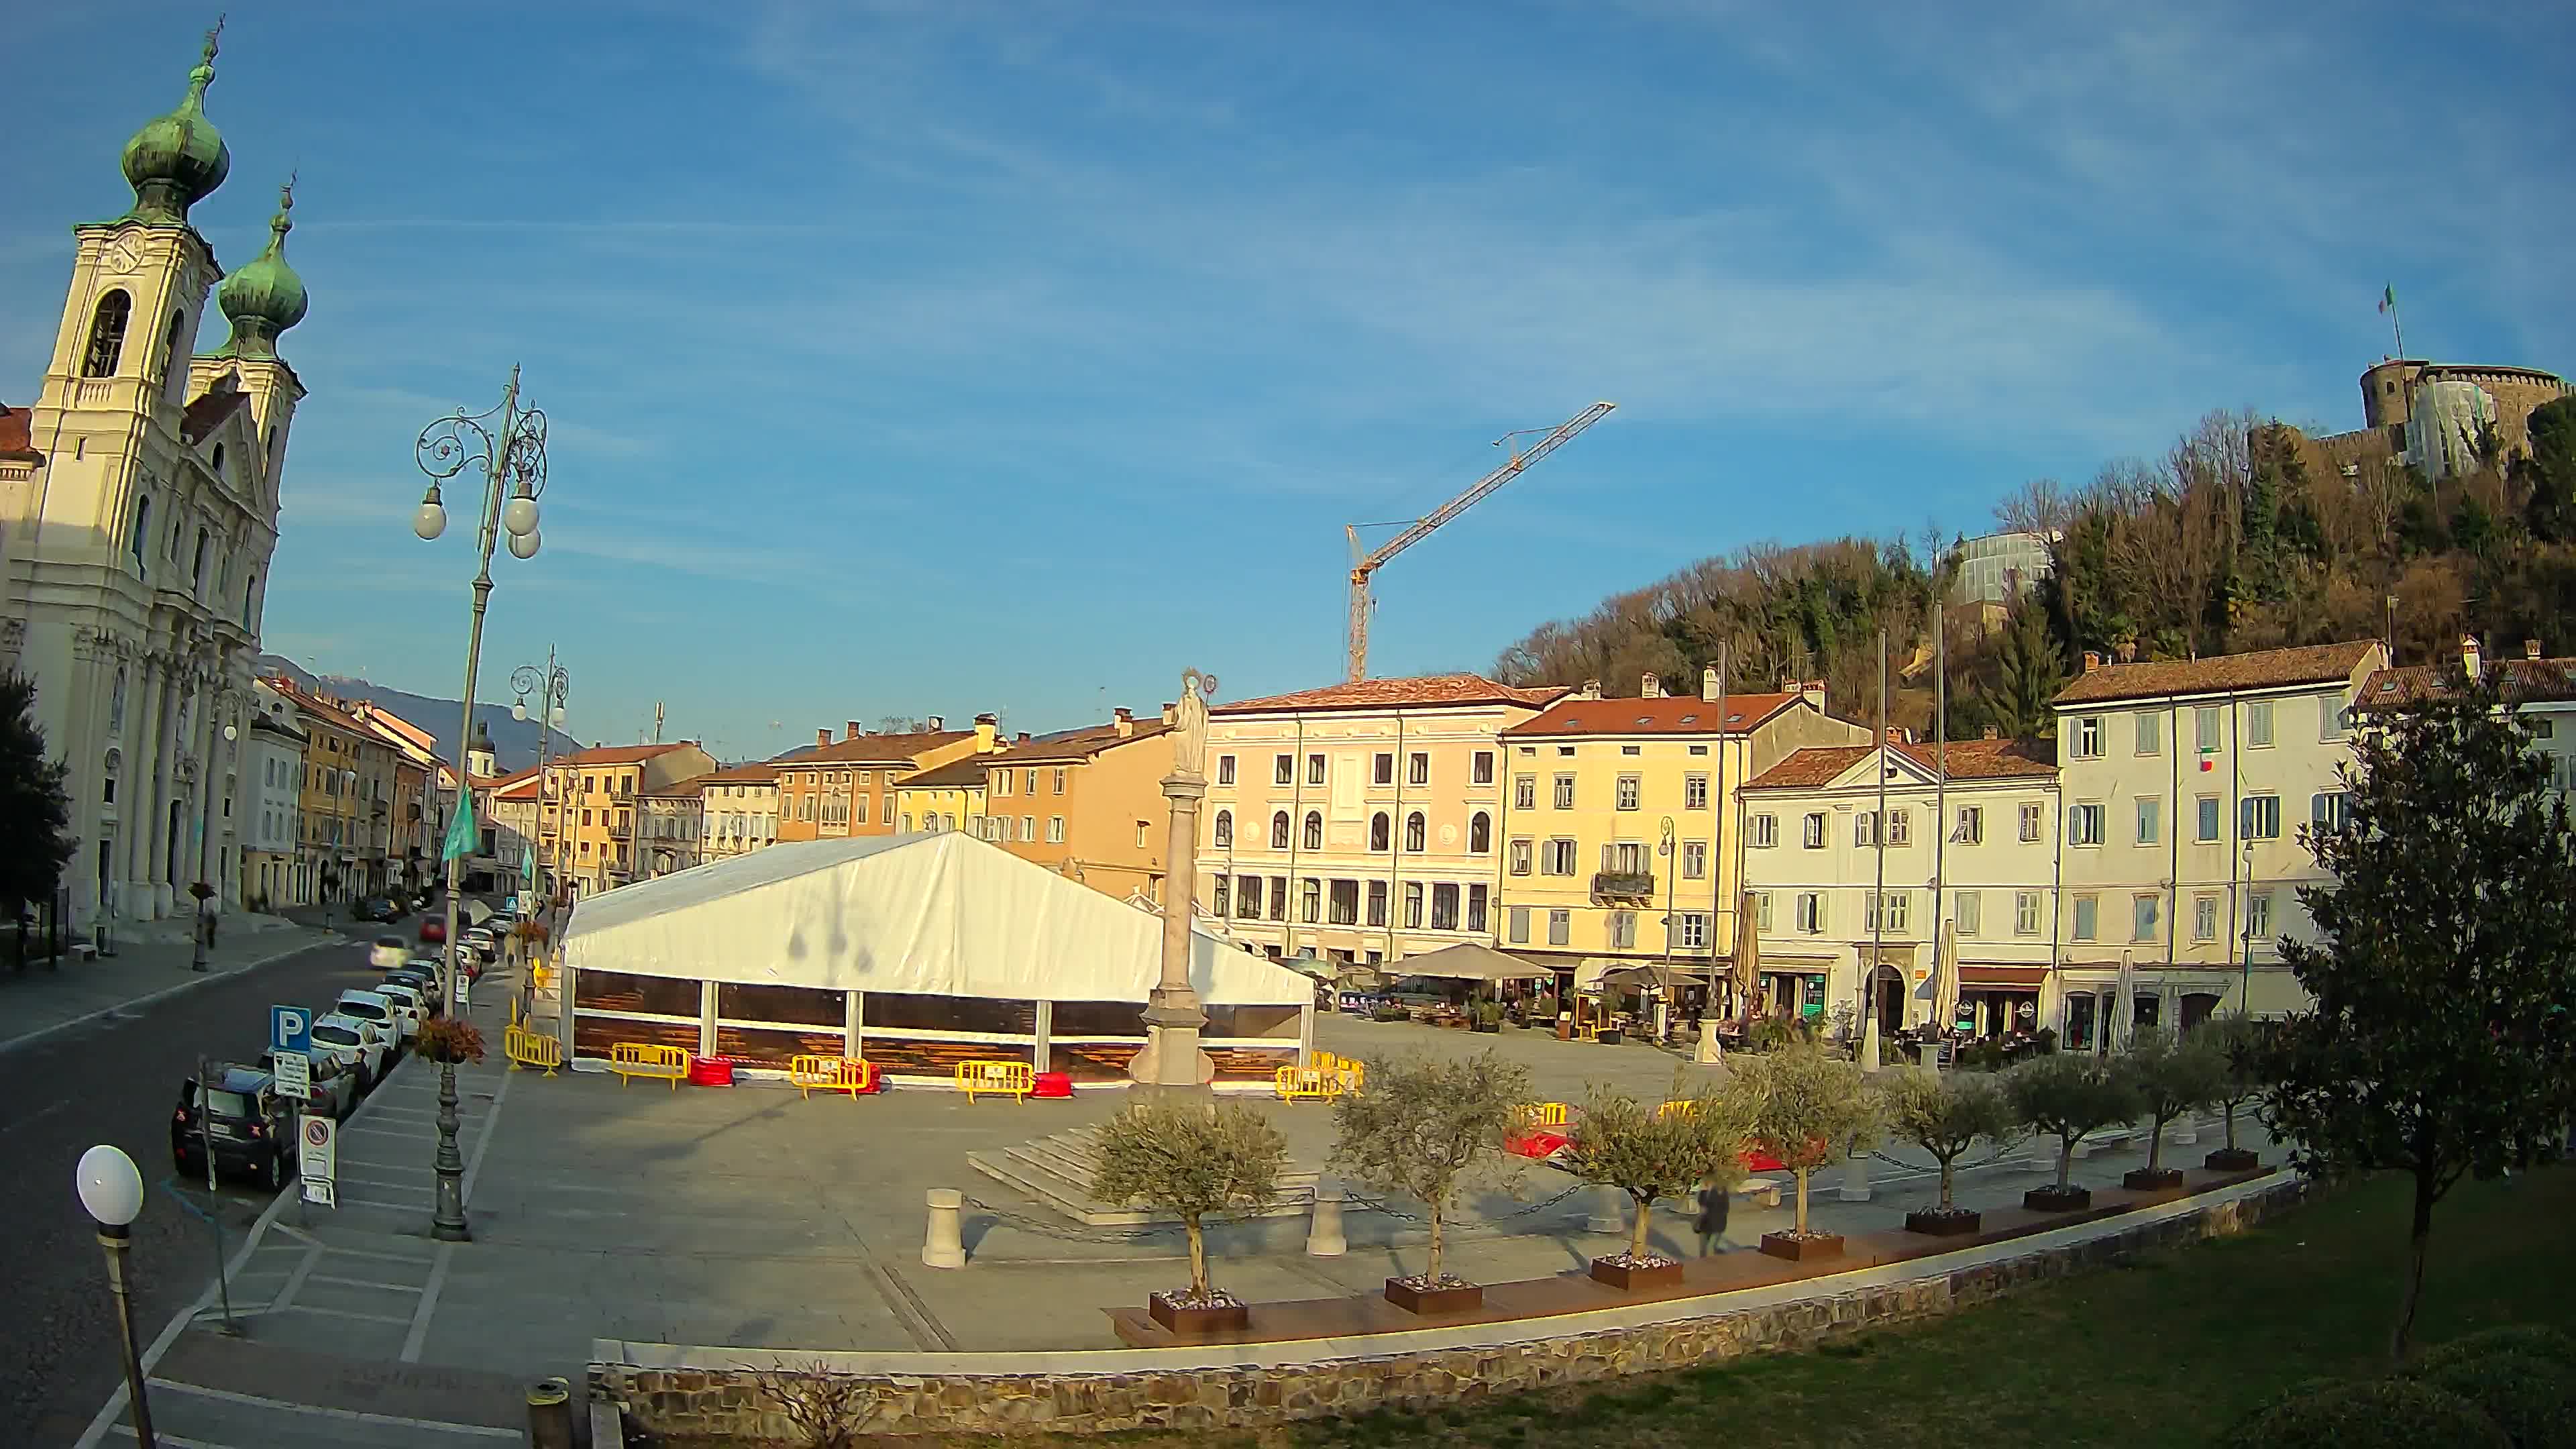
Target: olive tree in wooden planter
x=1810, y=1107
x=1191, y=1159
x=1425, y=1128
x=2173, y=1075
x=1946, y=1116
x=2241, y=1042
x=2069, y=1096
x=1656, y=1150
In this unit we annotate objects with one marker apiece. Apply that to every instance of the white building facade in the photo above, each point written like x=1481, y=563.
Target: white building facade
x=272, y=814
x=1839, y=895
x=2185, y=783
x=142, y=512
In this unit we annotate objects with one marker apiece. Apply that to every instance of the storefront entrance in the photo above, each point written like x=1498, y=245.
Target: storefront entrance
x=1887, y=997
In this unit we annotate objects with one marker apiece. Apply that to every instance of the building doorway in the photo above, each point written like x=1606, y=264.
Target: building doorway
x=1887, y=988
x=2197, y=1007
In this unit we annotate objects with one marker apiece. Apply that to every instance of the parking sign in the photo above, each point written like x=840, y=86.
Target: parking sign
x=294, y=1075
x=318, y=1161
x=290, y=1029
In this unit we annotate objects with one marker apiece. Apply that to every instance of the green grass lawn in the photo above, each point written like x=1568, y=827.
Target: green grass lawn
x=2164, y=1351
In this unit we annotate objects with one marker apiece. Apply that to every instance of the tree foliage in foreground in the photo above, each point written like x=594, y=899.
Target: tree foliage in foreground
x=35, y=811
x=1427, y=1127
x=1656, y=1150
x=2440, y=1043
x=1191, y=1159
x=2070, y=1096
x=1813, y=1107
x=2174, y=1073
x=1947, y=1115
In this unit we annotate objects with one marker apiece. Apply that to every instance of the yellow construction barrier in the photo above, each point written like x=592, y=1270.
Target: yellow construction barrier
x=632, y=1059
x=1684, y=1107
x=1547, y=1114
x=811, y=1074
x=1307, y=1084
x=1014, y=1079
x=1352, y=1073
x=527, y=1048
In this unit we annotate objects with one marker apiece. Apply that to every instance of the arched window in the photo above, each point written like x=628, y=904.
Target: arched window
x=107, y=334
x=197, y=577
x=1413, y=831
x=142, y=528
x=250, y=597
x=1225, y=830
x=1314, y=830
x=1480, y=833
x=170, y=343
x=218, y=461
x=1378, y=831
x=1279, y=831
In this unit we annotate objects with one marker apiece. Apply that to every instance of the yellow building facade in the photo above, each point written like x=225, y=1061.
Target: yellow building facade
x=592, y=798
x=943, y=797
x=1618, y=822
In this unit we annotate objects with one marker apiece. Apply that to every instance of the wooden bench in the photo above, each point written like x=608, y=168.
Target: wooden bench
x=1014, y=1079
x=527, y=1048
x=1307, y=1084
x=632, y=1059
x=811, y=1074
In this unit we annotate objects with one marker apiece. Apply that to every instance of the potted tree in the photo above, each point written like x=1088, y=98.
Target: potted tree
x=1652, y=1151
x=2240, y=1041
x=1425, y=1128
x=1191, y=1159
x=1486, y=1015
x=2069, y=1096
x=2173, y=1074
x=1945, y=1116
x=1811, y=1106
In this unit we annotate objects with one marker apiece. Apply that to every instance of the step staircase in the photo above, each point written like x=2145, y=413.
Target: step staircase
x=1057, y=1172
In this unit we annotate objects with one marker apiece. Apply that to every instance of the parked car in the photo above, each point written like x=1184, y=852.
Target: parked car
x=388, y=952
x=335, y=1084
x=364, y=1047
x=238, y=1115
x=410, y=1007
x=379, y=908
x=368, y=1006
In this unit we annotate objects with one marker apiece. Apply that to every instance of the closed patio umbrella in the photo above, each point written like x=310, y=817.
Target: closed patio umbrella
x=1945, y=977
x=1748, y=952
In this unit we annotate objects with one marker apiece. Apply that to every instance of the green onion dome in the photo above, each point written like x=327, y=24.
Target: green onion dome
x=263, y=297
x=178, y=159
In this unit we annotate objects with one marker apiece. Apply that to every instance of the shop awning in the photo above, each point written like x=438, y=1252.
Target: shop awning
x=2024, y=978
x=1633, y=976
x=1468, y=961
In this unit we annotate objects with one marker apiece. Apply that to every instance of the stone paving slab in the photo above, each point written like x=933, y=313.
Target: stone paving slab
x=43, y=1001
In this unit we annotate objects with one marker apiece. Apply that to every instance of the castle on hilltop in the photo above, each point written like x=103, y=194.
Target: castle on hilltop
x=2433, y=414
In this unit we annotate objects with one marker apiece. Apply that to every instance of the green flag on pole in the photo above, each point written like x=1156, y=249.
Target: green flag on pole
x=460, y=830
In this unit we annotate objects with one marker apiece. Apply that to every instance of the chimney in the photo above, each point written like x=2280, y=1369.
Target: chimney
x=988, y=730
x=2092, y=660
x=1021, y=739
x=2530, y=648
x=1896, y=735
x=850, y=730
x=1708, y=683
x=935, y=723
x=823, y=736
x=2469, y=660
x=2126, y=651
x=1591, y=690
x=1123, y=720
x=1992, y=733
x=1171, y=713
x=1813, y=692
x=1650, y=687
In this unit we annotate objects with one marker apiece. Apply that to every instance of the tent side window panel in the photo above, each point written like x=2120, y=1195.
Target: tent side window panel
x=1235, y=1023
x=652, y=995
x=766, y=1047
x=783, y=1005
x=593, y=1036
x=1251, y=1064
x=911, y=1057
x=1100, y=1061
x=902, y=1011
x=1098, y=1018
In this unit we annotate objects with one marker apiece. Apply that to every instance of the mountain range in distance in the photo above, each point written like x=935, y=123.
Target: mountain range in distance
x=514, y=741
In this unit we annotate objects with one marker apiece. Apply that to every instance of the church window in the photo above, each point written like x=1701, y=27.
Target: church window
x=116, y=705
x=219, y=460
x=142, y=527
x=250, y=597
x=197, y=577
x=107, y=334
x=170, y=343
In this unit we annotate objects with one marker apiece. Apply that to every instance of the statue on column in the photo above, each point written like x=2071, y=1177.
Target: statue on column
x=1190, y=724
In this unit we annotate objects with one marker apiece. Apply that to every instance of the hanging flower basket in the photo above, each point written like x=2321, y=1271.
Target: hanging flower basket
x=450, y=1039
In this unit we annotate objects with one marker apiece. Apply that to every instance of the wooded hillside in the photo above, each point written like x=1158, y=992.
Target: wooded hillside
x=2242, y=536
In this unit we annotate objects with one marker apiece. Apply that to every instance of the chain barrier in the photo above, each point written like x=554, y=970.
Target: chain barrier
x=1072, y=1234
x=1520, y=1212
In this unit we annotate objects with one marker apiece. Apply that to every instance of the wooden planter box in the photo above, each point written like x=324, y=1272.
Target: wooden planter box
x=1627, y=1279
x=1803, y=1250
x=1460, y=1299
x=1932, y=1222
x=1195, y=1321
x=1612, y=1037
x=2232, y=1159
x=2051, y=1200
x=2151, y=1179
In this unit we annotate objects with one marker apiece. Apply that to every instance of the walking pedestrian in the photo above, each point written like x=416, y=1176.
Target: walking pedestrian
x=1711, y=1222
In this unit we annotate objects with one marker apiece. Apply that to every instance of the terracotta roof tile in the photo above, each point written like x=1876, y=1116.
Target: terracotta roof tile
x=2533, y=679
x=762, y=773
x=955, y=774
x=617, y=754
x=1071, y=746
x=1968, y=759
x=881, y=749
x=2263, y=669
x=1425, y=690
x=16, y=443
x=679, y=789
x=1668, y=715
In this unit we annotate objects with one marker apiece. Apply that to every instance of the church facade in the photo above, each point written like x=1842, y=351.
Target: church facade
x=138, y=514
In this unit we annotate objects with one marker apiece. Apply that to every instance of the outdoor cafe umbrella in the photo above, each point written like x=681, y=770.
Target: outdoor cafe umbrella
x=1748, y=952
x=1945, y=977
x=2124, y=1006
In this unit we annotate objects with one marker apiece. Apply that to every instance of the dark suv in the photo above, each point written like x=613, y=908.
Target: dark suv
x=250, y=1127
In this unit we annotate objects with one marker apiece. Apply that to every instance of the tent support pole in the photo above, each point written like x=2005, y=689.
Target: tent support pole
x=706, y=1018
x=1042, y=1048
x=854, y=1014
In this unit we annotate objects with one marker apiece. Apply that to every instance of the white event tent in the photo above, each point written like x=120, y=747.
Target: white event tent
x=915, y=951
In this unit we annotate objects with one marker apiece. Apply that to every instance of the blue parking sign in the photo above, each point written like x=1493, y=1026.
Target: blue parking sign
x=290, y=1029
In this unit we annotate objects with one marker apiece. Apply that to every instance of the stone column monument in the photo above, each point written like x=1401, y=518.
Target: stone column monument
x=1171, y=1062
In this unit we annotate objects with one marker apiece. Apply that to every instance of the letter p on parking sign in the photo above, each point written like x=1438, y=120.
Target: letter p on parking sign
x=290, y=1029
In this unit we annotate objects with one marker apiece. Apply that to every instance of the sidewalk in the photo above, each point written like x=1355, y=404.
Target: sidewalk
x=44, y=1000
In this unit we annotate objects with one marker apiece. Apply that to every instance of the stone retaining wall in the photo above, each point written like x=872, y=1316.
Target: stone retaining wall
x=713, y=1397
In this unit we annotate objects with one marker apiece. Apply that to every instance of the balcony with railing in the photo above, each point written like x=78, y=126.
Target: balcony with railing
x=621, y=832
x=1623, y=885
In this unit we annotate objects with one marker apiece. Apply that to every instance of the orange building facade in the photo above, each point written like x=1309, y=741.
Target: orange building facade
x=592, y=797
x=1087, y=803
x=845, y=787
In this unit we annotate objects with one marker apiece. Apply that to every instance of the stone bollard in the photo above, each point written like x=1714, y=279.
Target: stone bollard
x=945, y=1247
x=2186, y=1130
x=1855, y=1186
x=1709, y=1051
x=550, y=1414
x=1324, y=1237
x=1609, y=1212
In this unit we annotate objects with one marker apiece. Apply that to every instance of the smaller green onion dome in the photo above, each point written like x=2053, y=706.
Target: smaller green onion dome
x=263, y=297
x=178, y=159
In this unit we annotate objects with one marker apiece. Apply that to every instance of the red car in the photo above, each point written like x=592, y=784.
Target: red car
x=433, y=931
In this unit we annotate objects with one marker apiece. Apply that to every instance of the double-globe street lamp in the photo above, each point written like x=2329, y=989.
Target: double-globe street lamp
x=111, y=1190
x=552, y=686
x=508, y=445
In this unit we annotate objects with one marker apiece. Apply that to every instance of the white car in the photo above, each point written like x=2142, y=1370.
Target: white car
x=388, y=952
x=409, y=1009
x=370, y=1006
x=362, y=1046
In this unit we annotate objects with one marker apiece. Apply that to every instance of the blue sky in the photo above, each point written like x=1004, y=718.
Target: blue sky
x=937, y=357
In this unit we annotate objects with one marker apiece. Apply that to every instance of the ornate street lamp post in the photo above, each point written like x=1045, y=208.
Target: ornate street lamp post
x=552, y=686
x=111, y=1189
x=508, y=446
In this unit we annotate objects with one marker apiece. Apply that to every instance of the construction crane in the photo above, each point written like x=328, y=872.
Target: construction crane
x=1363, y=569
